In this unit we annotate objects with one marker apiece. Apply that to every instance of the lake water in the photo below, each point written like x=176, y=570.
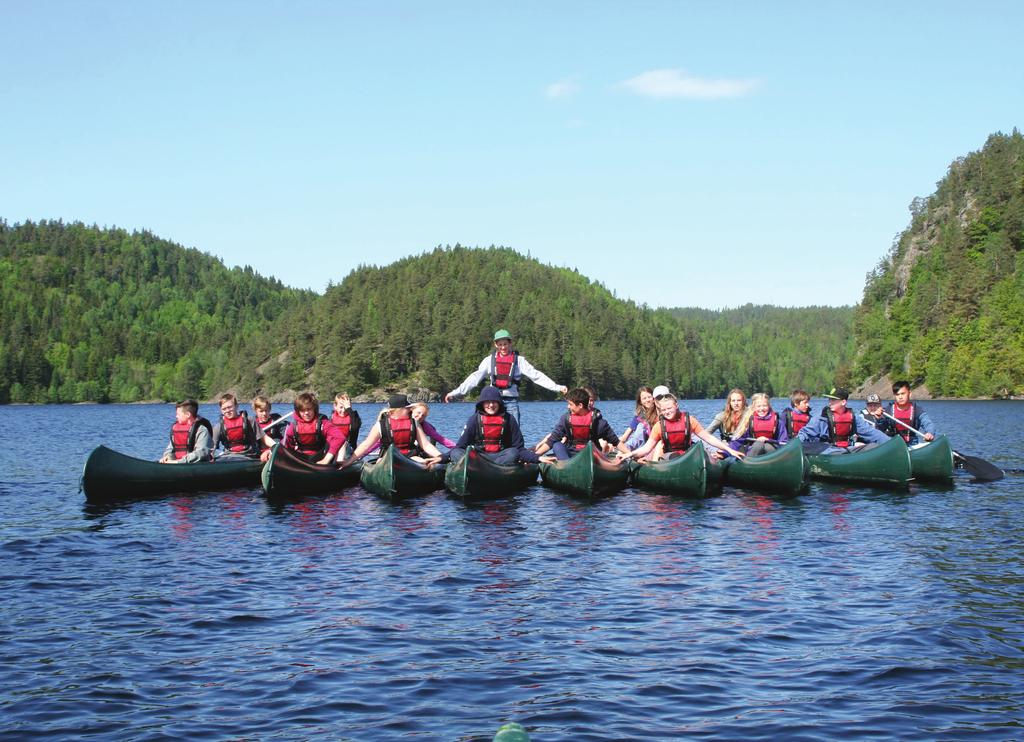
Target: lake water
x=845, y=613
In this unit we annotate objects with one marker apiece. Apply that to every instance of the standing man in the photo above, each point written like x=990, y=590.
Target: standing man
x=503, y=369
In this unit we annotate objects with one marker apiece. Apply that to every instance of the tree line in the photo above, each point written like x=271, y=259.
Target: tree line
x=97, y=314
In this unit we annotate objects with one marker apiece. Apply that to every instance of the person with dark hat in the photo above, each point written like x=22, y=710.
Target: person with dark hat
x=494, y=432
x=874, y=415
x=837, y=429
x=504, y=368
x=396, y=427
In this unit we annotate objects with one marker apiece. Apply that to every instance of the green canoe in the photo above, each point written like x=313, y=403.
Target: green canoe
x=885, y=465
x=287, y=474
x=476, y=477
x=396, y=476
x=781, y=472
x=109, y=476
x=681, y=475
x=932, y=460
x=587, y=474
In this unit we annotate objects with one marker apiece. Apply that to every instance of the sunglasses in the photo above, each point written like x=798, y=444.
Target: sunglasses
x=663, y=396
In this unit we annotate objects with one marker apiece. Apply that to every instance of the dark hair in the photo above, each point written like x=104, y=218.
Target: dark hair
x=899, y=385
x=578, y=396
x=189, y=404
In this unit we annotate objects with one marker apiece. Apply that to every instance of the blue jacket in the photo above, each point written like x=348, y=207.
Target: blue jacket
x=817, y=430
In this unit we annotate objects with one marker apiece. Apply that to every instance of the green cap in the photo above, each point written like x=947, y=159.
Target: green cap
x=502, y=334
x=511, y=732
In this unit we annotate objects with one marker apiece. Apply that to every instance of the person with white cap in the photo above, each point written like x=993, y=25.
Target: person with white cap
x=673, y=433
x=504, y=368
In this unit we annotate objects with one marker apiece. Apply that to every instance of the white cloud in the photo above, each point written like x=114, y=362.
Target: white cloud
x=678, y=84
x=563, y=88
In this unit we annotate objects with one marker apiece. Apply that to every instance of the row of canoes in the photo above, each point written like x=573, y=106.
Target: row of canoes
x=110, y=476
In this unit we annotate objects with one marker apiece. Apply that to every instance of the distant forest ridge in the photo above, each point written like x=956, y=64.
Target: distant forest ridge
x=97, y=314
x=945, y=307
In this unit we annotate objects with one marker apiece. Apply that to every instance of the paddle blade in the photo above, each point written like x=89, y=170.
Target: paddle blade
x=979, y=468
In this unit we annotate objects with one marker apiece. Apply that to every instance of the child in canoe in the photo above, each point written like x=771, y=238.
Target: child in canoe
x=798, y=414
x=268, y=434
x=190, y=436
x=645, y=415
x=761, y=430
x=235, y=433
x=673, y=434
x=579, y=425
x=307, y=433
x=493, y=431
x=396, y=427
x=726, y=422
x=343, y=429
x=838, y=430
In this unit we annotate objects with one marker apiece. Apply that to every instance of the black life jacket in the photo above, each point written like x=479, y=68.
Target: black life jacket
x=275, y=433
x=400, y=433
x=795, y=420
x=841, y=427
x=183, y=436
x=309, y=437
x=676, y=434
x=504, y=369
x=490, y=429
x=237, y=434
x=764, y=426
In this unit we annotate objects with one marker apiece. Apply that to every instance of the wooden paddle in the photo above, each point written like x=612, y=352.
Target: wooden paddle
x=981, y=469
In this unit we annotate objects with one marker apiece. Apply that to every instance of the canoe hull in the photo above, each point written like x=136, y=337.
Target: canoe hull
x=289, y=475
x=395, y=476
x=685, y=475
x=588, y=474
x=886, y=465
x=475, y=477
x=782, y=472
x=933, y=461
x=109, y=476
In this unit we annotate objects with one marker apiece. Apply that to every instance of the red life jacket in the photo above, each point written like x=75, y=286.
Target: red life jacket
x=235, y=432
x=841, y=427
x=309, y=437
x=904, y=416
x=183, y=436
x=504, y=369
x=795, y=420
x=400, y=433
x=490, y=429
x=582, y=428
x=764, y=426
x=344, y=424
x=676, y=434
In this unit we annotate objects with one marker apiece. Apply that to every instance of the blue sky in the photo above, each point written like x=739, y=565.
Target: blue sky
x=698, y=154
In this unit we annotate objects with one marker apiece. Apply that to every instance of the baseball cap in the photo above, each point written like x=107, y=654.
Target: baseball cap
x=838, y=393
x=661, y=391
x=398, y=400
x=502, y=335
x=874, y=399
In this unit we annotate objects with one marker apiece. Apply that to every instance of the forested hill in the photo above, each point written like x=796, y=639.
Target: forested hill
x=104, y=314
x=946, y=306
x=427, y=321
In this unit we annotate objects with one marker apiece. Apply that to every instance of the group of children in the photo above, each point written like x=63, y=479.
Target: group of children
x=659, y=428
